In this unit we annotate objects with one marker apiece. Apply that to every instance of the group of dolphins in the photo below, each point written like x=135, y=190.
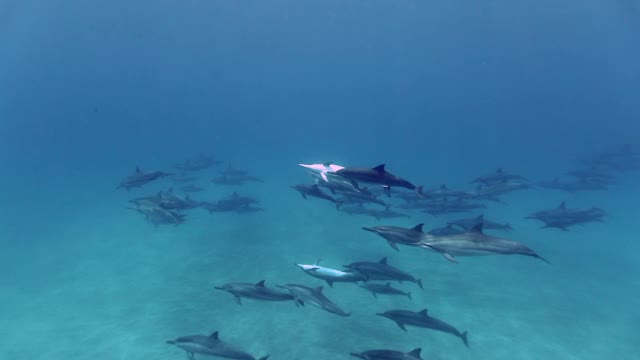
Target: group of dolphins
x=472, y=242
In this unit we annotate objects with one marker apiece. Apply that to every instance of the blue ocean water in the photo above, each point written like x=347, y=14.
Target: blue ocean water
x=441, y=92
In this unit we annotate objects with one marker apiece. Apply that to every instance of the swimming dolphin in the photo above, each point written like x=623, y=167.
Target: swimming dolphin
x=474, y=243
x=398, y=235
x=468, y=223
x=384, y=289
x=323, y=169
x=256, y=291
x=330, y=275
x=382, y=271
x=210, y=345
x=305, y=295
x=389, y=355
x=312, y=190
x=139, y=178
x=378, y=175
x=422, y=319
x=496, y=177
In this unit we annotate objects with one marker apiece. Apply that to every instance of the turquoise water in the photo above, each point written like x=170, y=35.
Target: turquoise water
x=441, y=92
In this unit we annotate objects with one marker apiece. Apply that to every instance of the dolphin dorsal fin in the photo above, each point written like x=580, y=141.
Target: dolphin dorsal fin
x=379, y=168
x=562, y=205
x=415, y=353
x=418, y=227
x=424, y=312
x=214, y=335
x=383, y=260
x=319, y=289
x=260, y=283
x=477, y=228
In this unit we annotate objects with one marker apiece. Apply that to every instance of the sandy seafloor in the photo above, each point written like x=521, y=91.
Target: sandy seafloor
x=86, y=279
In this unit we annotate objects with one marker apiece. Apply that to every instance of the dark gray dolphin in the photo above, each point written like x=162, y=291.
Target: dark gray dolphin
x=389, y=355
x=422, y=319
x=305, y=295
x=377, y=175
x=140, y=178
x=398, y=235
x=312, y=190
x=386, y=289
x=256, y=291
x=382, y=271
x=475, y=243
x=210, y=345
x=468, y=223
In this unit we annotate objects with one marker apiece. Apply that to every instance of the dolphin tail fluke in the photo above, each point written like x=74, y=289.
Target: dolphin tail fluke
x=464, y=339
x=419, y=281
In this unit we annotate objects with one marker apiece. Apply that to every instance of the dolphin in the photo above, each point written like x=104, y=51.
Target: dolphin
x=378, y=175
x=382, y=271
x=312, y=190
x=256, y=291
x=210, y=345
x=323, y=169
x=398, y=235
x=384, y=289
x=422, y=319
x=140, y=178
x=314, y=296
x=474, y=243
x=330, y=275
x=496, y=177
x=389, y=355
x=468, y=223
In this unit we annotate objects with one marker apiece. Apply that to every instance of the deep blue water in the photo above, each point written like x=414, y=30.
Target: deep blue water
x=441, y=92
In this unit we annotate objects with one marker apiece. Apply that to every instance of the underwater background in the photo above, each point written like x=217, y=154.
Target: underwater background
x=440, y=92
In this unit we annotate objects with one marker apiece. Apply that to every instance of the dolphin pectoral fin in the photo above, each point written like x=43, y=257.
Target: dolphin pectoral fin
x=387, y=190
x=419, y=282
x=374, y=294
x=303, y=196
x=393, y=245
x=191, y=356
x=238, y=301
x=401, y=326
x=409, y=295
x=449, y=257
x=330, y=283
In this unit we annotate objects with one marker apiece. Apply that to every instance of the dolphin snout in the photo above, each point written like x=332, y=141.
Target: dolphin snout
x=219, y=287
x=368, y=229
x=170, y=342
x=382, y=314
